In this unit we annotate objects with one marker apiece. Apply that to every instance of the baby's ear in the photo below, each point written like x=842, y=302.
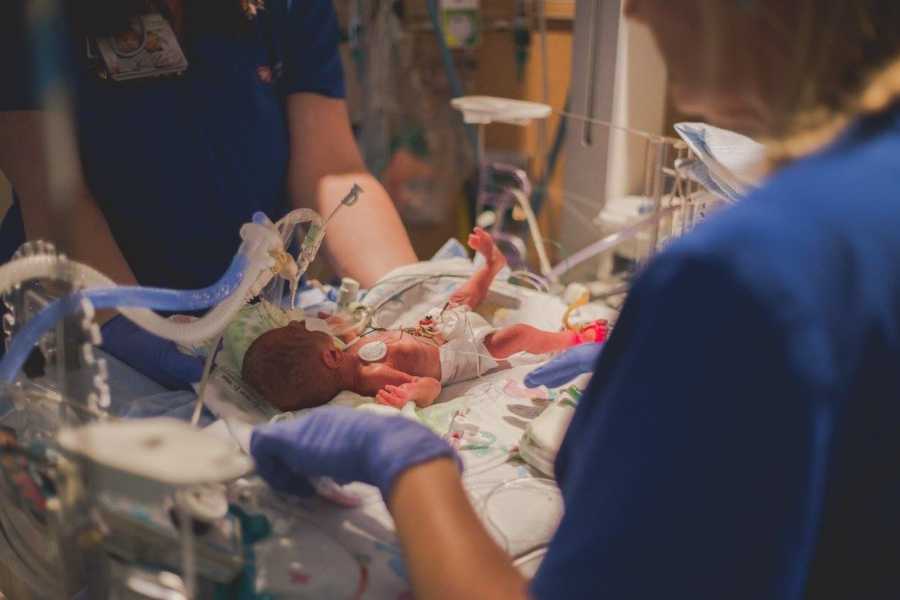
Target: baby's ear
x=331, y=357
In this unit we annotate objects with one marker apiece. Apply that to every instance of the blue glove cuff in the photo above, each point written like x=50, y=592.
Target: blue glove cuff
x=413, y=445
x=345, y=445
x=565, y=367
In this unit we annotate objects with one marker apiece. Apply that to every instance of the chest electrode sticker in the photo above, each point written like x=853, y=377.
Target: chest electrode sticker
x=373, y=351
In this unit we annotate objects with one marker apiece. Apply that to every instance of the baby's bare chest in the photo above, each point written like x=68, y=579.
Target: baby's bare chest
x=411, y=354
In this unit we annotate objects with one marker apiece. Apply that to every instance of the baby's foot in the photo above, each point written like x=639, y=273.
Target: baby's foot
x=596, y=332
x=482, y=242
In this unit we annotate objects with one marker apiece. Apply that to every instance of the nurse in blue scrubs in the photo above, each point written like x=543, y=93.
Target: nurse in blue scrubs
x=740, y=437
x=170, y=166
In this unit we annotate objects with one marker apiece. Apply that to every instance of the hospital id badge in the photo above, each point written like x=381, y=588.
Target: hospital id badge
x=148, y=48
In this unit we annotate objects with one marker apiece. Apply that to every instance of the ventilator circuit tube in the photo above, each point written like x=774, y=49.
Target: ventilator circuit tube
x=260, y=256
x=253, y=262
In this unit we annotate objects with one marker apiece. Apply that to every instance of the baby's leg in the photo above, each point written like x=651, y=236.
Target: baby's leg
x=475, y=289
x=507, y=341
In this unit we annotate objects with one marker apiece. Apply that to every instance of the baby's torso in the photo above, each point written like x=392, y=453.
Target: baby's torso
x=405, y=352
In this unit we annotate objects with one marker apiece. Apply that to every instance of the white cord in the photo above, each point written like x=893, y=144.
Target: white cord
x=188, y=559
x=536, y=281
x=204, y=381
x=525, y=203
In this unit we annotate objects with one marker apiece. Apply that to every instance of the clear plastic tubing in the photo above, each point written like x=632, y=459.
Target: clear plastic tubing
x=298, y=216
x=605, y=244
x=117, y=297
x=227, y=295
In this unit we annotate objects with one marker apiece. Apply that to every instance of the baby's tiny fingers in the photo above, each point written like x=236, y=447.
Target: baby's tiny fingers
x=395, y=401
x=386, y=396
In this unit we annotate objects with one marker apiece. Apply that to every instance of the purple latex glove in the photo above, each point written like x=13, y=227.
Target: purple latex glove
x=157, y=358
x=565, y=367
x=344, y=444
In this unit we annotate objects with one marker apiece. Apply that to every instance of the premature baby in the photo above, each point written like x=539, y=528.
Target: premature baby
x=295, y=368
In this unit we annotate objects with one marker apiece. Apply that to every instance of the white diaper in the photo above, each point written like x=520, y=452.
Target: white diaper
x=464, y=355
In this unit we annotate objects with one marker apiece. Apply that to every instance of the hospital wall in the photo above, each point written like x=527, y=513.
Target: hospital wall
x=494, y=74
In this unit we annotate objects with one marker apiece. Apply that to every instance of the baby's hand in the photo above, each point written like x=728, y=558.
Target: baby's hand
x=422, y=391
x=394, y=395
x=482, y=242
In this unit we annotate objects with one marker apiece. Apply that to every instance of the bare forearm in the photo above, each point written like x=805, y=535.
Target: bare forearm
x=428, y=390
x=367, y=240
x=473, y=292
x=76, y=225
x=91, y=241
x=431, y=387
x=448, y=552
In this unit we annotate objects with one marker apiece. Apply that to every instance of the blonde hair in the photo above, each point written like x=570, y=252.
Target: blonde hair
x=842, y=62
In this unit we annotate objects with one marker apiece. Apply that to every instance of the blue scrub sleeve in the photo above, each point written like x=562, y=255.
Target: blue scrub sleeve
x=312, y=61
x=694, y=464
x=16, y=73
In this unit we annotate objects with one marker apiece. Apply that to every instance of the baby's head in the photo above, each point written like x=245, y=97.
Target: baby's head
x=294, y=368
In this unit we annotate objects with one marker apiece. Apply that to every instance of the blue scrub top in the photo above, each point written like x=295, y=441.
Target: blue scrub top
x=740, y=437
x=178, y=164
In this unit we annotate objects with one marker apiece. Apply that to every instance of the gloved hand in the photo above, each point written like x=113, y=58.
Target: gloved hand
x=155, y=357
x=344, y=444
x=565, y=367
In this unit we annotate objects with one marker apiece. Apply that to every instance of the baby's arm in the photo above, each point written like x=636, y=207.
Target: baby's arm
x=475, y=289
x=396, y=388
x=375, y=377
x=512, y=339
x=423, y=391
